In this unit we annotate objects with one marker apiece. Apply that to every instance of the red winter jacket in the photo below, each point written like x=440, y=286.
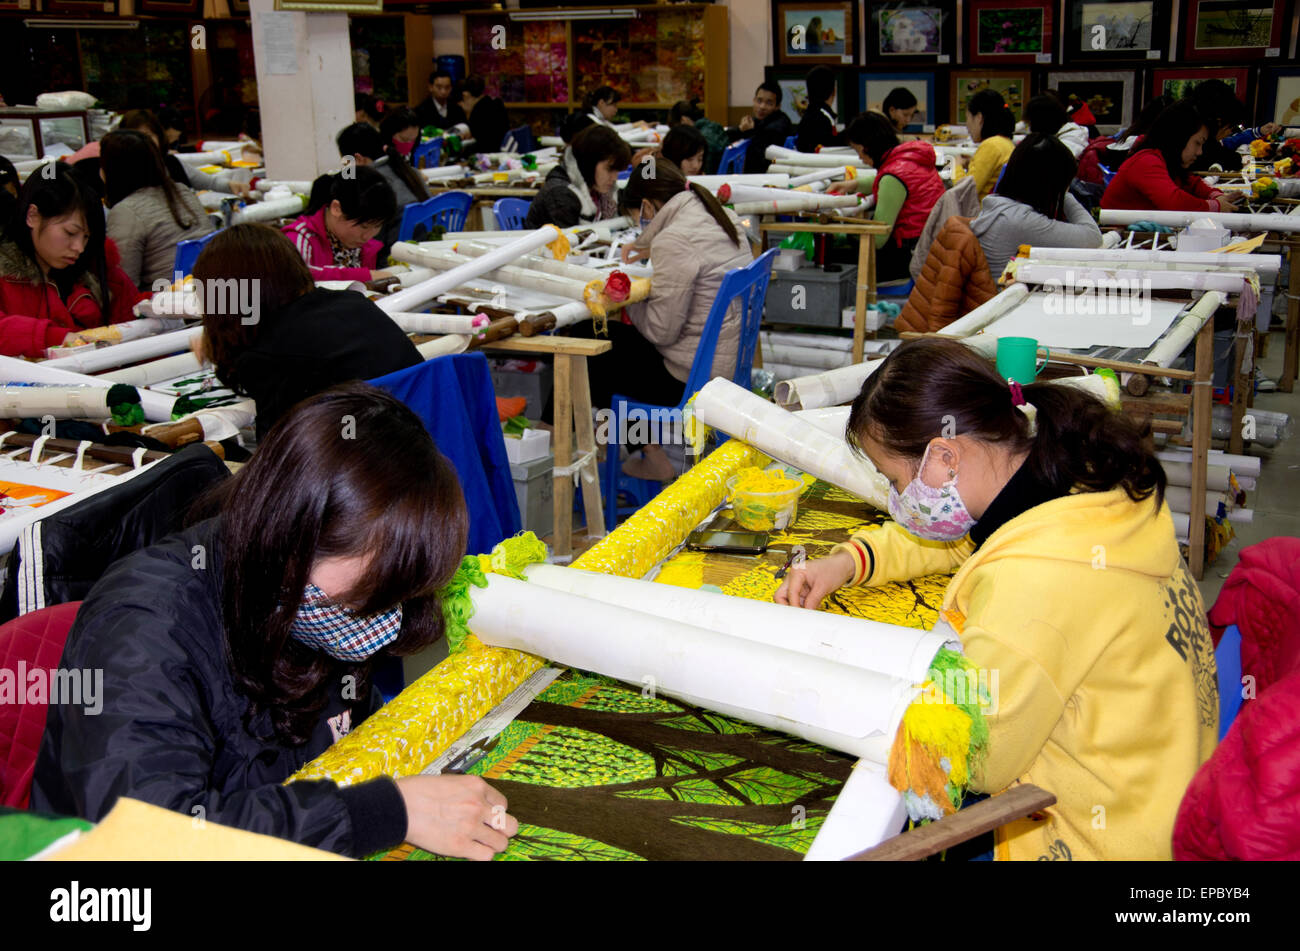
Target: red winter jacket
x=1143, y=183
x=1244, y=803
x=913, y=164
x=309, y=236
x=33, y=316
x=1090, y=161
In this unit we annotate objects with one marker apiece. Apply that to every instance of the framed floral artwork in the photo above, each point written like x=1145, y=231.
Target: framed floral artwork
x=1009, y=31
x=910, y=32
x=964, y=83
x=1115, y=30
x=1234, y=29
x=1178, y=81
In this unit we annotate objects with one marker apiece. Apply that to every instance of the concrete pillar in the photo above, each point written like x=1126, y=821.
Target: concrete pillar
x=304, y=88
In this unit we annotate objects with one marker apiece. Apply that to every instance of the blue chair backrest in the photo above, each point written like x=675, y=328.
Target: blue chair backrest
x=427, y=154
x=519, y=140
x=1227, y=657
x=733, y=158
x=749, y=285
x=450, y=209
x=510, y=213
x=1106, y=174
x=187, y=252
x=792, y=142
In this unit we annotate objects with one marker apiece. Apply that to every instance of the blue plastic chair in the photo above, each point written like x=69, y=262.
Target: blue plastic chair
x=1227, y=658
x=733, y=158
x=187, y=252
x=427, y=154
x=510, y=213
x=901, y=289
x=450, y=209
x=792, y=142
x=519, y=140
x=748, y=285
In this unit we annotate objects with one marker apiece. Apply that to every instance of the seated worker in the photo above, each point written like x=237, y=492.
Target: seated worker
x=819, y=126
x=601, y=105
x=1047, y=114
x=689, y=114
x=899, y=107
x=693, y=242
x=906, y=187
x=148, y=213
x=142, y=120
x=368, y=109
x=991, y=126
x=1108, y=153
x=59, y=272
x=686, y=148
x=437, y=108
x=367, y=146
x=336, y=234
x=766, y=125
x=1106, y=692
x=485, y=116
x=583, y=187
x=237, y=650
x=1033, y=205
x=302, y=339
x=1157, y=174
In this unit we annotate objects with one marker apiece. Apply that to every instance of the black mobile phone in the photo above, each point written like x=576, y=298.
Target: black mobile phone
x=732, y=543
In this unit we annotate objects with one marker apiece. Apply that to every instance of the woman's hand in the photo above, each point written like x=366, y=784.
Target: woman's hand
x=73, y=340
x=631, y=254
x=842, y=188
x=1228, y=200
x=746, y=123
x=460, y=816
x=1269, y=129
x=806, y=585
x=382, y=275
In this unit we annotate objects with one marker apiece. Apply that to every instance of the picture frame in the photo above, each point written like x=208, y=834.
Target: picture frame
x=1014, y=85
x=331, y=6
x=1131, y=31
x=239, y=8
x=1109, y=94
x=20, y=6
x=185, y=8
x=872, y=87
x=1279, y=96
x=1010, y=32
x=833, y=40
x=794, y=91
x=909, y=31
x=85, y=8
x=1177, y=81
x=1234, y=30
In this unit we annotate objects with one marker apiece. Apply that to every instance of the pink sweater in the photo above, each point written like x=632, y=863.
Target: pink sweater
x=309, y=236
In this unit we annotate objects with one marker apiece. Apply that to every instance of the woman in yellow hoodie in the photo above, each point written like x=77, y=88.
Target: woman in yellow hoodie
x=1069, y=588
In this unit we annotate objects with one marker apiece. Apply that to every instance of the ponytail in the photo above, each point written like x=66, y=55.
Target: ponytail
x=934, y=385
x=659, y=180
x=717, y=211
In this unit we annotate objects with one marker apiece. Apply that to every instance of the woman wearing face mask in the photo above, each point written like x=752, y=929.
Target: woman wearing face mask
x=1157, y=174
x=365, y=145
x=59, y=273
x=237, y=650
x=400, y=131
x=1069, y=585
x=583, y=187
x=336, y=234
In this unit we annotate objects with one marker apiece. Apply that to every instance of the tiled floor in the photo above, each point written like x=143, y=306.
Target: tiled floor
x=1276, y=499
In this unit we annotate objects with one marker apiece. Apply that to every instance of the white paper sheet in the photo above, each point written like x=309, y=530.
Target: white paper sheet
x=1039, y=317
x=866, y=812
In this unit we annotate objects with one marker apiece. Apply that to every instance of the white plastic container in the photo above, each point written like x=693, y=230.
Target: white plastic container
x=532, y=444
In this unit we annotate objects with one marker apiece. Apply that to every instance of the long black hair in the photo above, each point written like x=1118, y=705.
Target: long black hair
x=1171, y=132
x=131, y=161
x=1038, y=174
x=933, y=383
x=351, y=471
x=54, y=190
x=683, y=142
x=659, y=180
x=998, y=119
x=362, y=193
x=595, y=144
x=361, y=138
x=874, y=134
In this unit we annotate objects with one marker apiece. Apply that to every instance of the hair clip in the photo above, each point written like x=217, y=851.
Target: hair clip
x=1017, y=395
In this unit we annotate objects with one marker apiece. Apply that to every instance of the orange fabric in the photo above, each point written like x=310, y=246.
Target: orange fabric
x=954, y=281
x=509, y=407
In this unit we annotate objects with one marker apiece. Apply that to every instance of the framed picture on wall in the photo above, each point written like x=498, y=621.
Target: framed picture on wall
x=815, y=33
x=874, y=87
x=794, y=92
x=910, y=32
x=188, y=8
x=1279, y=96
x=1099, y=30
x=238, y=7
x=1009, y=31
x=81, y=7
x=1109, y=95
x=1234, y=29
x=1178, y=81
x=1012, y=84
x=19, y=6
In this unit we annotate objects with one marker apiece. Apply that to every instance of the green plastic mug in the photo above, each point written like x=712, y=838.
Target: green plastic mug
x=1018, y=359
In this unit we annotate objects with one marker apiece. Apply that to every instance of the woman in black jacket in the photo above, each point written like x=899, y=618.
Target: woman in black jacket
x=817, y=128
x=273, y=335
x=583, y=187
x=238, y=650
x=486, y=116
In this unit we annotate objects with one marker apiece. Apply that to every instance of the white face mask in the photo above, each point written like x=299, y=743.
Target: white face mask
x=935, y=514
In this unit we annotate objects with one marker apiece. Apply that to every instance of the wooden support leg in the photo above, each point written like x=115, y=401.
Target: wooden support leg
x=866, y=289
x=1242, y=385
x=582, y=420
x=1291, y=358
x=1201, y=426
x=562, y=501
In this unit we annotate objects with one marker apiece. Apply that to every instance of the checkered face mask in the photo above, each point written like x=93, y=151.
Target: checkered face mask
x=343, y=634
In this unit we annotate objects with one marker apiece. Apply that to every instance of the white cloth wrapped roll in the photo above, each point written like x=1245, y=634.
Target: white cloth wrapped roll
x=714, y=182
x=997, y=306
x=815, y=358
x=778, y=153
x=61, y=402
x=1240, y=465
x=1266, y=265
x=157, y=406
x=132, y=351
x=451, y=343
x=517, y=274
x=825, y=389
x=789, y=202
x=270, y=210
x=829, y=419
x=146, y=374
x=1233, y=221
x=1172, y=345
x=211, y=157
x=782, y=435
x=440, y=323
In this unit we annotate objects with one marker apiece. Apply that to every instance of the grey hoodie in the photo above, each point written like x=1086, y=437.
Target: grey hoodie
x=1004, y=224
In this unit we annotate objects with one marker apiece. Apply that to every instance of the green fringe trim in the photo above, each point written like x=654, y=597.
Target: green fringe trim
x=510, y=558
x=950, y=667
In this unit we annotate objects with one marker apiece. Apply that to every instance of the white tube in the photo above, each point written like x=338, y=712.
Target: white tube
x=753, y=420
x=820, y=341
x=987, y=312
x=777, y=153
x=440, y=323
x=212, y=157
x=442, y=172
x=130, y=352
x=815, y=358
x=451, y=262
x=1179, y=498
x=829, y=419
x=714, y=182
x=1266, y=265
x=866, y=812
x=1180, y=473
x=1172, y=345
x=451, y=343
x=270, y=210
x=1233, y=221
x=209, y=145
x=224, y=422
x=297, y=186
x=566, y=315
x=61, y=402
x=842, y=707
x=155, y=371
x=412, y=298
x=793, y=202
x=825, y=389
x=536, y=262
x=830, y=174
x=1240, y=465
x=890, y=649
x=1225, y=281
x=157, y=406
